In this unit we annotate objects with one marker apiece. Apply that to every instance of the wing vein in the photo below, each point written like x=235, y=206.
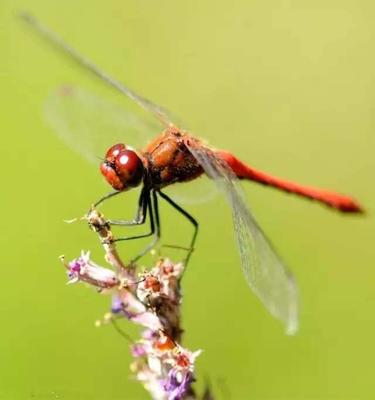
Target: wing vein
x=264, y=271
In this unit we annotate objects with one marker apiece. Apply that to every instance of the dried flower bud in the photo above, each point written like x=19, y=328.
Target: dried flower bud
x=151, y=299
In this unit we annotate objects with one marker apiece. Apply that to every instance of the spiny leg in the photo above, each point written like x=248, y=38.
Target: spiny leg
x=192, y=220
x=153, y=208
x=106, y=197
x=141, y=212
x=144, y=205
x=140, y=215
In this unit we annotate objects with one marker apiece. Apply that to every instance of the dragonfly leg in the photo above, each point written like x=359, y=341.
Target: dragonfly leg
x=105, y=197
x=144, y=205
x=192, y=220
x=155, y=226
x=140, y=216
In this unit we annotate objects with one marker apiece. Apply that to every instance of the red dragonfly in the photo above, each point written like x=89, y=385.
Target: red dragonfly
x=176, y=156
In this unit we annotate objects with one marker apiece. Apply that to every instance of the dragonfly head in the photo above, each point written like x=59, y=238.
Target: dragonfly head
x=122, y=168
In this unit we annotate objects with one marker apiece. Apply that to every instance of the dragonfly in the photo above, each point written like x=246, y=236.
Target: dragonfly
x=176, y=156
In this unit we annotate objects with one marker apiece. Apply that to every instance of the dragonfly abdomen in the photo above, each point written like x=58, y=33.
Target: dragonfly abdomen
x=335, y=200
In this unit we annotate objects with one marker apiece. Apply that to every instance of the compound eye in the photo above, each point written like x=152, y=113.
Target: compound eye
x=129, y=167
x=113, y=152
x=111, y=177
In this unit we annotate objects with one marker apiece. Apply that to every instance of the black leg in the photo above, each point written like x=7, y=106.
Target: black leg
x=140, y=215
x=106, y=197
x=189, y=217
x=156, y=209
x=153, y=208
x=146, y=205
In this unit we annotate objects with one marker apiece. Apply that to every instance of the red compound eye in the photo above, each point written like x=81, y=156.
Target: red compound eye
x=122, y=167
x=113, y=152
x=111, y=177
x=129, y=167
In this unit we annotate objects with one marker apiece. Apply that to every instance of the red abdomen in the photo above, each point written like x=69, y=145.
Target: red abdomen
x=335, y=200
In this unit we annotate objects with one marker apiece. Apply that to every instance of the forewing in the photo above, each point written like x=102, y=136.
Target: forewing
x=264, y=271
x=159, y=112
x=90, y=125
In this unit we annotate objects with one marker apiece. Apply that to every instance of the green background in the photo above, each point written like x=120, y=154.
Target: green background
x=288, y=86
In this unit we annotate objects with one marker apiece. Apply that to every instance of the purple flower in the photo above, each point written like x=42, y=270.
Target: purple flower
x=134, y=310
x=117, y=305
x=151, y=299
x=138, y=350
x=74, y=269
x=177, y=383
x=149, y=334
x=83, y=269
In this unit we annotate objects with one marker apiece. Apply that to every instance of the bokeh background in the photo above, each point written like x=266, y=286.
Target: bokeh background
x=287, y=85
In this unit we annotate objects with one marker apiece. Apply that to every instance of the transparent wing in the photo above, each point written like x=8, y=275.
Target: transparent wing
x=263, y=269
x=160, y=113
x=90, y=125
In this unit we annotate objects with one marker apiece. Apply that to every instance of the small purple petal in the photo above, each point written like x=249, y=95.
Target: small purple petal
x=138, y=350
x=83, y=269
x=75, y=266
x=149, y=334
x=177, y=384
x=117, y=305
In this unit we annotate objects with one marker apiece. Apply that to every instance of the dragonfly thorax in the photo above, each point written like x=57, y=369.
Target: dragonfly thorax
x=122, y=168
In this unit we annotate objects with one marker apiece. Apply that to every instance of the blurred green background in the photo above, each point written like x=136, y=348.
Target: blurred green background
x=287, y=85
